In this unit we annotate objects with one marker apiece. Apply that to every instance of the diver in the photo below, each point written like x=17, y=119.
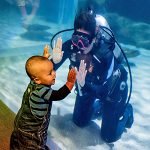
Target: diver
x=105, y=89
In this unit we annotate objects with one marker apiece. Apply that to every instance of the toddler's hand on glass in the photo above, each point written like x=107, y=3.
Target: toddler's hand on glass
x=46, y=51
x=72, y=75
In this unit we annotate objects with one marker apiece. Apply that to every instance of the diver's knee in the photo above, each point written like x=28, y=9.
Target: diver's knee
x=83, y=110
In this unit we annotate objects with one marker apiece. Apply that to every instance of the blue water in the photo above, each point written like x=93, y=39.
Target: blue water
x=18, y=43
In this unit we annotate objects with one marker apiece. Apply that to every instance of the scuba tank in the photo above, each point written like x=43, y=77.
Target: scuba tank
x=104, y=36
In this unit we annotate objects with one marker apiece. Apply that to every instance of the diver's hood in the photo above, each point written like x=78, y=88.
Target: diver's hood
x=101, y=21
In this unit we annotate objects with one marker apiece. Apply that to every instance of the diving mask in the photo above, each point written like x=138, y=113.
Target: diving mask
x=79, y=41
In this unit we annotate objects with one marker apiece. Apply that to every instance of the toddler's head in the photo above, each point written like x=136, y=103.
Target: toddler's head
x=40, y=70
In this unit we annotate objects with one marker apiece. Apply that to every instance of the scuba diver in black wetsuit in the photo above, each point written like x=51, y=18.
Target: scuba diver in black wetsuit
x=106, y=80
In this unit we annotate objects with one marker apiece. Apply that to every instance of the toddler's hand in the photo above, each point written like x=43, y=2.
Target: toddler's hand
x=72, y=76
x=46, y=51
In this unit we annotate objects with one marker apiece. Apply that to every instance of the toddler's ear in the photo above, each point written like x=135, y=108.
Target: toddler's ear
x=37, y=80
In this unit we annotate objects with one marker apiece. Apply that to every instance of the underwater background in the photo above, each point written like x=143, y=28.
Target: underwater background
x=130, y=22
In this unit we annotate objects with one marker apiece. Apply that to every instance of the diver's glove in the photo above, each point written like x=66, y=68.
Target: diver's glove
x=81, y=74
x=57, y=52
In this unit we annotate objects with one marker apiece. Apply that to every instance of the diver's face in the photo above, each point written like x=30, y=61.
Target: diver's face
x=47, y=75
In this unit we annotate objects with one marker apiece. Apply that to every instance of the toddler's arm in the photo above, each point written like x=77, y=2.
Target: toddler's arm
x=60, y=94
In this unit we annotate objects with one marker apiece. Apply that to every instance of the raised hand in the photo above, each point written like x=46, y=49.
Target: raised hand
x=72, y=75
x=46, y=51
x=57, y=51
x=81, y=74
x=71, y=79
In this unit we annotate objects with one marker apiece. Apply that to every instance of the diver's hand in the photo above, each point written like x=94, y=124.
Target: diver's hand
x=81, y=73
x=46, y=51
x=57, y=51
x=71, y=79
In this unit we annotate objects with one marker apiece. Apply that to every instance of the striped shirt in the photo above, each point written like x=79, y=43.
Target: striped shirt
x=41, y=98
